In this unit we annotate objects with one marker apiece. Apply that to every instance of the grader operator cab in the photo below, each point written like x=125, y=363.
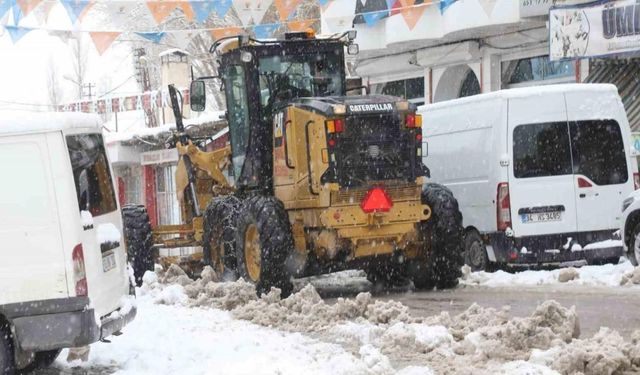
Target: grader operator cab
x=322, y=181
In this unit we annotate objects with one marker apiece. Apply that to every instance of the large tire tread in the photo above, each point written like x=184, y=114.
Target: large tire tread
x=220, y=226
x=137, y=232
x=7, y=364
x=276, y=241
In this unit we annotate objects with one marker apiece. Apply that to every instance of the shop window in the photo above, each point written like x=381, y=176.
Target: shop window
x=537, y=70
x=411, y=89
x=168, y=207
x=470, y=85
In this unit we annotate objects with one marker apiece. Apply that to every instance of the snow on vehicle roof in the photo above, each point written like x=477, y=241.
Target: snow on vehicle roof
x=525, y=92
x=15, y=122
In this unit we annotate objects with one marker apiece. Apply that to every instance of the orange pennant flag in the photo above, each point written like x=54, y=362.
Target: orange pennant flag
x=103, y=40
x=27, y=6
x=227, y=31
x=411, y=12
x=302, y=25
x=161, y=9
x=285, y=7
x=187, y=10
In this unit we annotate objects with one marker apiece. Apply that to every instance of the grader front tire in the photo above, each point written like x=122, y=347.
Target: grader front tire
x=264, y=241
x=218, y=237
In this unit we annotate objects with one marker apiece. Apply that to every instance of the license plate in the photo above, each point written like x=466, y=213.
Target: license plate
x=541, y=217
x=108, y=261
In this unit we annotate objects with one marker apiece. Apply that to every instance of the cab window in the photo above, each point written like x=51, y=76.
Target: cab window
x=94, y=187
x=237, y=106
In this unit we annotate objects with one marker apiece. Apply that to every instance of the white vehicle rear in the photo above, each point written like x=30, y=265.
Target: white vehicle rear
x=63, y=268
x=540, y=173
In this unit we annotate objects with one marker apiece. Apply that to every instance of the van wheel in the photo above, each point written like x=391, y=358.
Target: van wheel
x=137, y=234
x=475, y=252
x=218, y=238
x=264, y=241
x=633, y=250
x=443, y=236
x=7, y=364
x=42, y=360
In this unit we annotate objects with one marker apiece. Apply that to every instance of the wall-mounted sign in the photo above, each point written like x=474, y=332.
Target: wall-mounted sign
x=159, y=156
x=603, y=28
x=635, y=144
x=534, y=8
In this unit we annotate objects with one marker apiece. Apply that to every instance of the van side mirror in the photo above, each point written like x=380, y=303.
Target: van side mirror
x=198, y=95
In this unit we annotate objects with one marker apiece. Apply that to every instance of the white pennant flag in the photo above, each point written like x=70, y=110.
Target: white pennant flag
x=251, y=10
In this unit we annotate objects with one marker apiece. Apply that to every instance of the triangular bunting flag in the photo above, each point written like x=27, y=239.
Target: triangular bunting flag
x=444, y=4
x=103, y=40
x=285, y=7
x=488, y=6
x=187, y=10
x=27, y=6
x=226, y=31
x=160, y=10
x=251, y=10
x=370, y=11
x=5, y=5
x=323, y=2
x=338, y=16
x=222, y=7
x=17, y=32
x=265, y=31
x=301, y=25
x=17, y=14
x=202, y=9
x=154, y=37
x=75, y=8
x=411, y=12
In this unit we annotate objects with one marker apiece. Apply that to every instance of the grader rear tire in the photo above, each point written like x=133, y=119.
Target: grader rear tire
x=7, y=363
x=444, y=236
x=218, y=238
x=137, y=234
x=264, y=241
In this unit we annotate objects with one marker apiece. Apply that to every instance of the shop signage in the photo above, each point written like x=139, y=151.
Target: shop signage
x=635, y=144
x=599, y=29
x=534, y=8
x=159, y=157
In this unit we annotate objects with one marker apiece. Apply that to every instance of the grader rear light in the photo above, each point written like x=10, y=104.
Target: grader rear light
x=335, y=126
x=376, y=200
x=413, y=120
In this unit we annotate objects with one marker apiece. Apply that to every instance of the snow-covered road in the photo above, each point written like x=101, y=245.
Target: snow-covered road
x=205, y=327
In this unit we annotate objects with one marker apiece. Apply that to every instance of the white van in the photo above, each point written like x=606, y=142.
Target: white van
x=63, y=269
x=540, y=173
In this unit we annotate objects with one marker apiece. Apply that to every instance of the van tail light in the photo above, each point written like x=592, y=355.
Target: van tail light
x=503, y=206
x=636, y=181
x=79, y=271
x=376, y=200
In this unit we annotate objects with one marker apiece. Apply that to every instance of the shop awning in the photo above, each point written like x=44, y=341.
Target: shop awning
x=624, y=73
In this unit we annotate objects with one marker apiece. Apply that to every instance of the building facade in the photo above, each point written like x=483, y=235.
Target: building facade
x=433, y=51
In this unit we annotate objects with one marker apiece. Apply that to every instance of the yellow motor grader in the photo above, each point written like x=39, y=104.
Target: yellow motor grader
x=319, y=180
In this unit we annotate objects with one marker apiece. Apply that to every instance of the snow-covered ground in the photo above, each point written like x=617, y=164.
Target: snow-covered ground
x=610, y=275
x=204, y=326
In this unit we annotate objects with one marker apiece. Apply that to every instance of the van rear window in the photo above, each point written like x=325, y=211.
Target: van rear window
x=91, y=173
x=541, y=150
x=598, y=151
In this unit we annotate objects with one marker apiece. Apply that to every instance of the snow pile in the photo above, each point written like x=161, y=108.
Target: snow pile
x=631, y=278
x=384, y=335
x=612, y=275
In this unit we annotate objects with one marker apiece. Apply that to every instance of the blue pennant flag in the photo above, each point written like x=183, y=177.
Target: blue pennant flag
x=16, y=32
x=74, y=8
x=202, y=9
x=222, y=6
x=323, y=2
x=17, y=13
x=5, y=5
x=154, y=37
x=372, y=18
x=265, y=31
x=444, y=4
